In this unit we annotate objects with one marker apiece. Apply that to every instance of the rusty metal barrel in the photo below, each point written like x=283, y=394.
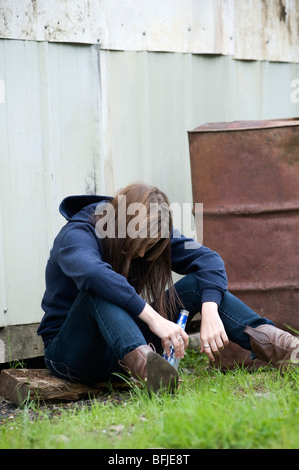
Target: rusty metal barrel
x=246, y=174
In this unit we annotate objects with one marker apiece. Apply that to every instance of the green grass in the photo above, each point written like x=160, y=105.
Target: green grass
x=211, y=410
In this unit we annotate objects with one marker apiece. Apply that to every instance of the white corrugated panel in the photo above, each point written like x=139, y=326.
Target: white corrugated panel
x=49, y=148
x=245, y=29
x=267, y=30
x=171, y=25
x=161, y=96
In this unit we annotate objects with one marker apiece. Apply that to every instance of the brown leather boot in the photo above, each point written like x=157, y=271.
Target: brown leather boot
x=146, y=365
x=160, y=374
x=275, y=346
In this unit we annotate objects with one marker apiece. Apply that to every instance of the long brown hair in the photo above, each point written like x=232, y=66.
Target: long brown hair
x=150, y=274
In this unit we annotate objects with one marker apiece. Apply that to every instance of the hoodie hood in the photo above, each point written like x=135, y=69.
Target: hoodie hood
x=79, y=208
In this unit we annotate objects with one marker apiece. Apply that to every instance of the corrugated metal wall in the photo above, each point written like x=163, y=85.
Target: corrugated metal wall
x=154, y=98
x=244, y=29
x=77, y=118
x=50, y=147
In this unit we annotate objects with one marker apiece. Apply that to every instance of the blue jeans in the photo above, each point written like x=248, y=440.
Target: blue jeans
x=97, y=333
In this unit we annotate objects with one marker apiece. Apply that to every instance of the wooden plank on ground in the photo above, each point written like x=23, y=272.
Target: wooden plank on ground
x=17, y=385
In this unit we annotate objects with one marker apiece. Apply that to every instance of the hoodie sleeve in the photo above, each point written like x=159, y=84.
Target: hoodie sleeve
x=79, y=258
x=189, y=256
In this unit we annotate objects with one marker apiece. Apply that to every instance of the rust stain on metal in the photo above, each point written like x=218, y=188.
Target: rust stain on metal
x=264, y=30
x=283, y=12
x=267, y=30
x=246, y=174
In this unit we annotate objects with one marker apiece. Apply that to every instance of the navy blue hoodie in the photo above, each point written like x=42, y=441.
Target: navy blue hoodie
x=76, y=264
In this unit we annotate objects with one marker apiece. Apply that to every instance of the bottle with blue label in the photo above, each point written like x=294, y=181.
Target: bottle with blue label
x=182, y=321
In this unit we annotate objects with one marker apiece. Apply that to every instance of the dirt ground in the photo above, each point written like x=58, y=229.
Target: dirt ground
x=9, y=411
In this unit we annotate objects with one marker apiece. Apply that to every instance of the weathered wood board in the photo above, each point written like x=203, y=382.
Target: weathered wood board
x=17, y=385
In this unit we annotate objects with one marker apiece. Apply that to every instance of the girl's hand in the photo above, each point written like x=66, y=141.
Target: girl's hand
x=213, y=337
x=166, y=330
